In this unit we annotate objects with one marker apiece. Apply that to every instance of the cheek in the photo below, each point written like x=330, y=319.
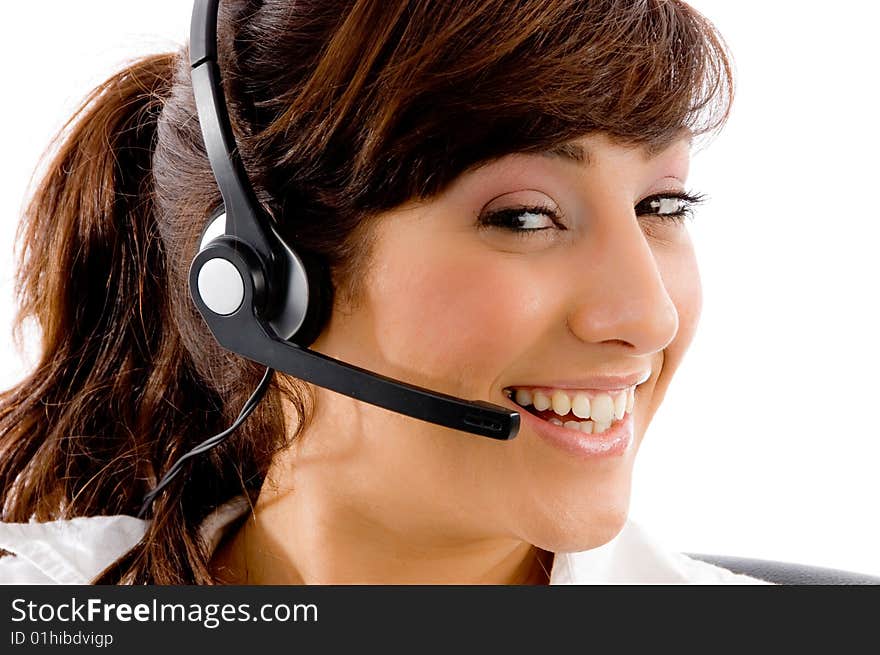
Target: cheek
x=682, y=278
x=459, y=318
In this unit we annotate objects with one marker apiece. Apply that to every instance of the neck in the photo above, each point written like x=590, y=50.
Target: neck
x=330, y=512
x=289, y=541
x=348, y=504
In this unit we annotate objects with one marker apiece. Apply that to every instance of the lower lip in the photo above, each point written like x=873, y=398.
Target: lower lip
x=614, y=442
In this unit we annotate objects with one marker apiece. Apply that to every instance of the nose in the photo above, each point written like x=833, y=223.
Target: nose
x=621, y=296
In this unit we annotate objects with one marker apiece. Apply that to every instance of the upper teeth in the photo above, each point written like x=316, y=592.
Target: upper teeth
x=602, y=407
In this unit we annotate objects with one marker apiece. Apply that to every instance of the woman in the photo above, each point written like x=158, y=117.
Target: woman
x=498, y=190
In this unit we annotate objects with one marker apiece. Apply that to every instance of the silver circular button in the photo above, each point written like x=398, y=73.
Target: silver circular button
x=221, y=286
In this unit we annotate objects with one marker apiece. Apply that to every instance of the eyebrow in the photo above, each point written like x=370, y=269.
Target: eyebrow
x=577, y=154
x=571, y=152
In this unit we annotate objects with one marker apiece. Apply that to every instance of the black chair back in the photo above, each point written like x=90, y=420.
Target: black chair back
x=786, y=573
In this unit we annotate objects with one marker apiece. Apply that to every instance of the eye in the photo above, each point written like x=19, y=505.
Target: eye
x=522, y=220
x=670, y=206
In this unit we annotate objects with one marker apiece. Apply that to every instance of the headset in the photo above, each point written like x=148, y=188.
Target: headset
x=265, y=301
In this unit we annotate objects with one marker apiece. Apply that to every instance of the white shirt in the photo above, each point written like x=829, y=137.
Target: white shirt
x=74, y=551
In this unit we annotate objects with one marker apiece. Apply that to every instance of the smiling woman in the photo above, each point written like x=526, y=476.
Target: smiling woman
x=498, y=191
x=587, y=312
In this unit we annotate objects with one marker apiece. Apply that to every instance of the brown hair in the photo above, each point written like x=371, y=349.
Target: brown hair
x=342, y=110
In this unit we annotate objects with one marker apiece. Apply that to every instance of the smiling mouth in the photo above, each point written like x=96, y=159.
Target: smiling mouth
x=586, y=411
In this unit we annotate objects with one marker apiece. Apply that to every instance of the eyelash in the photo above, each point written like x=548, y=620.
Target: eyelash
x=687, y=211
x=497, y=218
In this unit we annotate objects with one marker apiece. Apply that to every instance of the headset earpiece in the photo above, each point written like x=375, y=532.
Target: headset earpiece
x=320, y=304
x=227, y=278
x=298, y=295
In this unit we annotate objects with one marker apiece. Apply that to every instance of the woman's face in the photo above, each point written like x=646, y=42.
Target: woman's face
x=480, y=312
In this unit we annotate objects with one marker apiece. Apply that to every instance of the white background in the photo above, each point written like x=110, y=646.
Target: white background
x=762, y=447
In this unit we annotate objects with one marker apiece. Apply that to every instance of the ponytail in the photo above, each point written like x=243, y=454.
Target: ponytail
x=84, y=433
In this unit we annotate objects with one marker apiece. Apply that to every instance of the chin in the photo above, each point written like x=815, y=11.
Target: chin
x=576, y=530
